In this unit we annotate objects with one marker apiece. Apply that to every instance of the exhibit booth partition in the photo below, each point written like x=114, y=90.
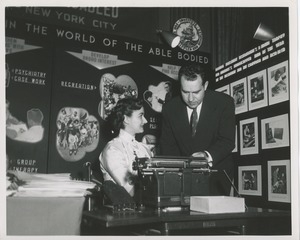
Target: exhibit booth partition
x=258, y=80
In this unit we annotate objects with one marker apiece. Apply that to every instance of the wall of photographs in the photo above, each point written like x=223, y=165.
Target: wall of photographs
x=259, y=83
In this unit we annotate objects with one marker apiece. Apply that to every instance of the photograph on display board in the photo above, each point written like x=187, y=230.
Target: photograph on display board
x=257, y=90
x=279, y=188
x=275, y=132
x=238, y=91
x=248, y=136
x=250, y=182
x=278, y=78
x=225, y=89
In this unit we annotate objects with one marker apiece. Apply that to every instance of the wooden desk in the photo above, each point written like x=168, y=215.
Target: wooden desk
x=255, y=221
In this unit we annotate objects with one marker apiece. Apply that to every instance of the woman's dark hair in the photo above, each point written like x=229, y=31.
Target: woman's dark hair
x=123, y=107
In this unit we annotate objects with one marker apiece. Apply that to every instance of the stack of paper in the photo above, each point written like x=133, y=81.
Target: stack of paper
x=217, y=204
x=52, y=185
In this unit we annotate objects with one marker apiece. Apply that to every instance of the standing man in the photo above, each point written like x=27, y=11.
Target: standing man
x=200, y=123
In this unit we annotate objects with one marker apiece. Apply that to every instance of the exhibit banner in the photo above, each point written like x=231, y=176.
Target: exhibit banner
x=90, y=72
x=111, y=20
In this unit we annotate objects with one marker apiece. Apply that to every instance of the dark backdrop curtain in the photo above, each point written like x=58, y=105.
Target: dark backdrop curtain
x=231, y=33
x=233, y=29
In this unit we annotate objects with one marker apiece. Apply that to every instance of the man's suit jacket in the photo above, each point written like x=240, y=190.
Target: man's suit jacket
x=215, y=129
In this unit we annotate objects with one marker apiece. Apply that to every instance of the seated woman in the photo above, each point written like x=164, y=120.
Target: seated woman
x=118, y=155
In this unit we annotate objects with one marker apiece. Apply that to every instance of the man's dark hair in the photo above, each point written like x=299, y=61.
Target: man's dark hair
x=190, y=72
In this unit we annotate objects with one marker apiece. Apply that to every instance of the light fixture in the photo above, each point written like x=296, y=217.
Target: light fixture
x=263, y=33
x=170, y=38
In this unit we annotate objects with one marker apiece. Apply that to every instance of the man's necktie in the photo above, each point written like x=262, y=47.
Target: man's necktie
x=194, y=121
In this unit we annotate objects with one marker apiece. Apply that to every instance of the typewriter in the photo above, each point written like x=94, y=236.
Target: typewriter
x=170, y=181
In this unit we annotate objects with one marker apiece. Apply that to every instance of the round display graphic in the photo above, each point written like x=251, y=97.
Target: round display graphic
x=112, y=89
x=157, y=96
x=190, y=33
x=77, y=133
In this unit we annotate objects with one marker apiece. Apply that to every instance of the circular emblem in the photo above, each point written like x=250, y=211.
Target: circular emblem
x=190, y=34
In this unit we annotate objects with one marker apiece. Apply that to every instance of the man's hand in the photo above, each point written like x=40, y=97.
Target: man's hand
x=204, y=155
x=199, y=154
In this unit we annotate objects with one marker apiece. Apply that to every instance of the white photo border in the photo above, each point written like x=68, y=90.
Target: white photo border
x=225, y=89
x=236, y=141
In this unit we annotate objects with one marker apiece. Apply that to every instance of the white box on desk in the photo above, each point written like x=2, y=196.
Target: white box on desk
x=217, y=204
